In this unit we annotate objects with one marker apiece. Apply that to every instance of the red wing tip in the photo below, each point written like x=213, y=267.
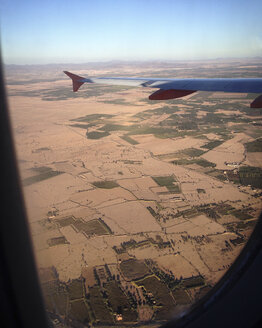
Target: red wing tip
x=75, y=80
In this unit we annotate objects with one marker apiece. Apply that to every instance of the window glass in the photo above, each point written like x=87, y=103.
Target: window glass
x=136, y=207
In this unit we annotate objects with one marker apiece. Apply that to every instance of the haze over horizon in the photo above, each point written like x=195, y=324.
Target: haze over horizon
x=84, y=31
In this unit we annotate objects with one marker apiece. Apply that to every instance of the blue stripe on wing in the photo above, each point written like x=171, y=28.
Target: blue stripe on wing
x=246, y=85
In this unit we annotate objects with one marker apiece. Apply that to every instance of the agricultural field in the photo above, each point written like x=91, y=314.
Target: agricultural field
x=119, y=302
x=99, y=308
x=75, y=289
x=78, y=311
x=133, y=269
x=56, y=298
x=181, y=296
x=57, y=241
x=92, y=227
x=105, y=184
x=254, y=146
x=168, y=182
x=40, y=174
x=136, y=208
x=161, y=295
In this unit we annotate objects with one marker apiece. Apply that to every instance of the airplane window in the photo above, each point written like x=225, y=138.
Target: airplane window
x=139, y=199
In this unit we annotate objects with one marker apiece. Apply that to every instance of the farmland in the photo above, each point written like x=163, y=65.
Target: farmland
x=136, y=208
x=133, y=269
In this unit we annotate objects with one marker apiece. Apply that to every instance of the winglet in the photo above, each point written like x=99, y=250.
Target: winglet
x=76, y=80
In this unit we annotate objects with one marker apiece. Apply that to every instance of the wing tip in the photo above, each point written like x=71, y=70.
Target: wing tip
x=75, y=80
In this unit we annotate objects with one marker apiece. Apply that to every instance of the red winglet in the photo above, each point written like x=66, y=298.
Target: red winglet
x=75, y=80
x=169, y=94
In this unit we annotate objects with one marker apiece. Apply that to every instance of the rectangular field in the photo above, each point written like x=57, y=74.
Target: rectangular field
x=159, y=290
x=133, y=269
x=93, y=227
x=99, y=307
x=119, y=302
x=78, y=311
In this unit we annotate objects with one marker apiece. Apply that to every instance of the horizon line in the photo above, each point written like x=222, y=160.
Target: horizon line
x=135, y=61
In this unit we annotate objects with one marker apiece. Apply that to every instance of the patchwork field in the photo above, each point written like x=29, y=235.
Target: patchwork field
x=136, y=208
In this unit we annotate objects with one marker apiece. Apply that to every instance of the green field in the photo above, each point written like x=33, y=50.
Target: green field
x=96, y=135
x=82, y=126
x=78, y=311
x=241, y=214
x=224, y=209
x=254, y=146
x=246, y=224
x=93, y=118
x=109, y=127
x=164, y=180
x=181, y=296
x=134, y=269
x=193, y=282
x=157, y=111
x=129, y=161
x=161, y=293
x=75, y=289
x=99, y=307
x=56, y=297
x=168, y=182
x=92, y=227
x=159, y=132
x=105, y=184
x=219, y=174
x=118, y=101
x=57, y=241
x=127, y=138
x=199, y=161
x=43, y=173
x=203, y=291
x=249, y=175
x=176, y=125
x=63, y=222
x=212, y=144
x=39, y=150
x=119, y=302
x=191, y=152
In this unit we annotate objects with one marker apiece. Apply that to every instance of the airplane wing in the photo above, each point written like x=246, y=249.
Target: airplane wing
x=177, y=88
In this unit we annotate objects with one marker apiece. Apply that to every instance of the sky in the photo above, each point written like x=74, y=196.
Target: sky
x=78, y=31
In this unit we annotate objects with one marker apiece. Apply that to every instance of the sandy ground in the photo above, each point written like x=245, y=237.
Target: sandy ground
x=165, y=146
x=224, y=95
x=198, y=226
x=132, y=217
x=179, y=266
x=70, y=259
x=231, y=150
x=141, y=187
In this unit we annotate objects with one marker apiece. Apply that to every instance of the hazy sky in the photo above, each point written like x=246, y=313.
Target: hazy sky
x=53, y=31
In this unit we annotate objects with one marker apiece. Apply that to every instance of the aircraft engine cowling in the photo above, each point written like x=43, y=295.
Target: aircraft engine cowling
x=257, y=103
x=169, y=94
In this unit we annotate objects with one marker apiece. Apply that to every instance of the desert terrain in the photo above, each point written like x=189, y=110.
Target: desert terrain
x=136, y=207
